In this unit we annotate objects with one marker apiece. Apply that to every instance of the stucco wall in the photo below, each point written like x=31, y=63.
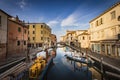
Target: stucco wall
x=3, y=35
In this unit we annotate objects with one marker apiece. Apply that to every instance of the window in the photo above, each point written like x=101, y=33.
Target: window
x=18, y=43
x=33, y=26
x=101, y=21
x=24, y=42
x=33, y=32
x=40, y=45
x=96, y=23
x=0, y=21
x=113, y=15
x=83, y=38
x=41, y=26
x=19, y=29
x=118, y=18
x=41, y=38
x=33, y=38
x=28, y=38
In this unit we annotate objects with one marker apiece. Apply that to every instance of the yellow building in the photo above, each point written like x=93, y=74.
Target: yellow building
x=84, y=38
x=39, y=35
x=70, y=37
x=77, y=38
x=105, y=32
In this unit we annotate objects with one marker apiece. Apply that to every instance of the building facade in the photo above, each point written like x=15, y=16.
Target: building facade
x=70, y=37
x=105, y=32
x=53, y=40
x=17, y=37
x=84, y=39
x=39, y=35
x=3, y=34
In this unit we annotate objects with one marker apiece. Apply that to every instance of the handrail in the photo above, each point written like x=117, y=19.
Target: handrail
x=7, y=72
x=10, y=65
x=113, y=74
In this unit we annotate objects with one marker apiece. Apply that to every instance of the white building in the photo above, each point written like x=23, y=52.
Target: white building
x=105, y=32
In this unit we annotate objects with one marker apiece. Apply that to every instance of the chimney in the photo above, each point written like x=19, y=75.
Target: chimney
x=17, y=18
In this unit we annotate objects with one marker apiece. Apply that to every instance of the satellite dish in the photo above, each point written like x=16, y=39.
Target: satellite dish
x=118, y=18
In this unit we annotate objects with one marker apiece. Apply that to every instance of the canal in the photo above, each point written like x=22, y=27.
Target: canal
x=64, y=69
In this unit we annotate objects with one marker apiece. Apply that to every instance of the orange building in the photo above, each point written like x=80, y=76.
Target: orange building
x=53, y=39
x=17, y=37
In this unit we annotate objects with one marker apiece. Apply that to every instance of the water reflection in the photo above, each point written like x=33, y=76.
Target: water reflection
x=65, y=69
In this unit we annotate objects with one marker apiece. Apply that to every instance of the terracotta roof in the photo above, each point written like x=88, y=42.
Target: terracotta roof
x=39, y=23
x=35, y=23
x=19, y=23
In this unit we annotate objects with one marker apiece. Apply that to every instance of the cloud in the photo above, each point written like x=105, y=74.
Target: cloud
x=22, y=4
x=75, y=20
x=56, y=21
x=72, y=19
x=79, y=18
x=69, y=21
x=52, y=23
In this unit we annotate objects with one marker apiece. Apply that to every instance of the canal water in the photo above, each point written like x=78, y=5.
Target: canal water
x=64, y=69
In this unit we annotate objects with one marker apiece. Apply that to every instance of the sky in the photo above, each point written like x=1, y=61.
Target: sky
x=60, y=15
